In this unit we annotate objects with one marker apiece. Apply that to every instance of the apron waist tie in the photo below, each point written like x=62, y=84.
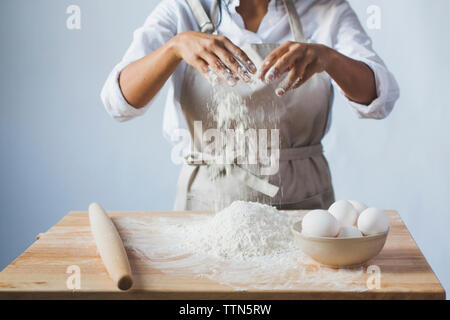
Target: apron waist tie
x=197, y=159
x=301, y=153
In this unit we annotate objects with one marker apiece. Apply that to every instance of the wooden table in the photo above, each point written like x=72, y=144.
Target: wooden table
x=40, y=272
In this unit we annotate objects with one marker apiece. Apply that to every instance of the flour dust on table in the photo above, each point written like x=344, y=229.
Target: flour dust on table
x=246, y=246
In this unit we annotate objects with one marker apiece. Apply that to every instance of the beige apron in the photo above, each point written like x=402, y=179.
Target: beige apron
x=303, y=180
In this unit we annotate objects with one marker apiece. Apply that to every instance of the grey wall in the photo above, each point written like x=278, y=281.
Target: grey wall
x=60, y=151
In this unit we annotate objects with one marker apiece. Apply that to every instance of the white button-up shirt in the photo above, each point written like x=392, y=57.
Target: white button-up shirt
x=329, y=22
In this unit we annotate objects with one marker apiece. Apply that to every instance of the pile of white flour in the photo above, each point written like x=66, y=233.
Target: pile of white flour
x=240, y=231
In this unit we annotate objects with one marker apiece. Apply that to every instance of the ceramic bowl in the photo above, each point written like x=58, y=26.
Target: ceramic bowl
x=340, y=252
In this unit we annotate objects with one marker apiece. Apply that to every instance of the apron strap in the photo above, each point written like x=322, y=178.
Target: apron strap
x=204, y=22
x=294, y=21
x=301, y=153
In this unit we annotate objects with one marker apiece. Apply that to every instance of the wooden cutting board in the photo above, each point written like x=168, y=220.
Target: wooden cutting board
x=41, y=271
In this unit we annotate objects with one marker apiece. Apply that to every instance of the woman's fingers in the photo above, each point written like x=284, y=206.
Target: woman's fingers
x=267, y=72
x=233, y=65
x=220, y=69
x=292, y=79
x=296, y=80
x=201, y=66
x=207, y=72
x=302, y=70
x=284, y=64
x=309, y=72
x=297, y=52
x=303, y=64
x=228, y=61
x=239, y=54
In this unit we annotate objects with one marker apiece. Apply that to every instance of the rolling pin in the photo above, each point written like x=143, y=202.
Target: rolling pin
x=110, y=247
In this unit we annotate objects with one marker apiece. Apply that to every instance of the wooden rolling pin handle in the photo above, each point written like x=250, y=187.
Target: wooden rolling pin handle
x=110, y=247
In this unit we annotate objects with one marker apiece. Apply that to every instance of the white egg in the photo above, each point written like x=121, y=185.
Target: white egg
x=320, y=223
x=344, y=212
x=359, y=206
x=349, y=232
x=373, y=221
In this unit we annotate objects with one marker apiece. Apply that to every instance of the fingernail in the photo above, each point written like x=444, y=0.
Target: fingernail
x=244, y=74
x=251, y=66
x=271, y=75
x=280, y=92
x=260, y=74
x=246, y=77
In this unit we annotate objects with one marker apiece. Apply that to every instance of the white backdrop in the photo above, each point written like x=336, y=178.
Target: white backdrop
x=60, y=150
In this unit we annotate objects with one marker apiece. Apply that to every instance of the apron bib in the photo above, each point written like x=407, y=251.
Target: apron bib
x=303, y=180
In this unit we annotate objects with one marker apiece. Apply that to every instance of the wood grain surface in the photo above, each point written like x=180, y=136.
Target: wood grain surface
x=40, y=272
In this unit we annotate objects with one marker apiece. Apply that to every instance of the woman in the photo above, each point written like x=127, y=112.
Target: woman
x=299, y=51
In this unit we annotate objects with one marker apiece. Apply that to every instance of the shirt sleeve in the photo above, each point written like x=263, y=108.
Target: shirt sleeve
x=159, y=28
x=351, y=40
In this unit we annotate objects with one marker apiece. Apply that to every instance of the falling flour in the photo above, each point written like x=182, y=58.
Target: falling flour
x=242, y=129
x=230, y=111
x=246, y=245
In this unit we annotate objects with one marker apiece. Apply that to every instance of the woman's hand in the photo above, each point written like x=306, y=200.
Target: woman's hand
x=207, y=52
x=142, y=79
x=301, y=60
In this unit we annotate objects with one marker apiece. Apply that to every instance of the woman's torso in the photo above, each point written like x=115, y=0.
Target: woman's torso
x=300, y=119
